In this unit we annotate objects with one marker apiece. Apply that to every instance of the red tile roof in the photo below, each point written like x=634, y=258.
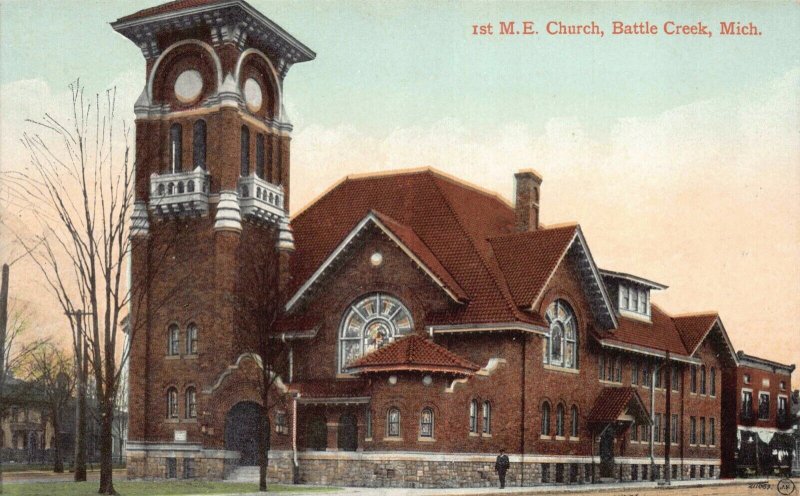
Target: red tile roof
x=451, y=219
x=410, y=239
x=414, y=353
x=693, y=328
x=528, y=259
x=615, y=401
x=167, y=7
x=660, y=334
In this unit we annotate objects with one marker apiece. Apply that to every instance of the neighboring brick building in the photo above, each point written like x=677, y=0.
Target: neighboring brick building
x=427, y=323
x=758, y=434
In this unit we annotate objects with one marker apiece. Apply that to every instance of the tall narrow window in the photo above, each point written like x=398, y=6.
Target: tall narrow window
x=634, y=432
x=473, y=416
x=713, y=381
x=561, y=347
x=623, y=297
x=245, y=152
x=260, y=155
x=191, y=403
x=172, y=403
x=657, y=429
x=546, y=419
x=426, y=423
x=645, y=375
x=634, y=373
x=692, y=430
x=487, y=417
x=763, y=406
x=601, y=366
x=702, y=379
x=693, y=379
x=368, y=434
x=674, y=428
x=618, y=370
x=573, y=430
x=175, y=147
x=173, y=340
x=560, y=420
x=702, y=430
x=676, y=379
x=199, y=144
x=191, y=339
x=393, y=423
x=712, y=431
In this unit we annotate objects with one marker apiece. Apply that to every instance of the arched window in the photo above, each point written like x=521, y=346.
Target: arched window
x=368, y=422
x=713, y=381
x=245, y=152
x=702, y=379
x=369, y=324
x=473, y=416
x=172, y=403
x=199, y=144
x=573, y=428
x=260, y=155
x=487, y=417
x=561, y=344
x=191, y=339
x=546, y=419
x=393, y=423
x=426, y=423
x=191, y=403
x=175, y=147
x=173, y=340
x=560, y=420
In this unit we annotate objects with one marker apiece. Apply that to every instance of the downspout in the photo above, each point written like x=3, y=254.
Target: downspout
x=295, y=467
x=522, y=415
x=668, y=424
x=652, y=419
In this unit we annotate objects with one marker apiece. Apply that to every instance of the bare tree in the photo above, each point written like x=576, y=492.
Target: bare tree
x=260, y=307
x=79, y=187
x=51, y=371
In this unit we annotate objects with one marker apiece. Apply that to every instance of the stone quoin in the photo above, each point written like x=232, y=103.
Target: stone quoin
x=426, y=323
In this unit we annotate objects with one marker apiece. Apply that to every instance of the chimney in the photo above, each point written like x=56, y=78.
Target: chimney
x=526, y=204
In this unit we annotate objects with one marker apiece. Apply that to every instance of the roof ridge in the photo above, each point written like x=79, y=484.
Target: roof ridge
x=709, y=313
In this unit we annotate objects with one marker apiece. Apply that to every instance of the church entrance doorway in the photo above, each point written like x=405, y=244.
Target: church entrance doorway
x=607, y=452
x=242, y=430
x=348, y=433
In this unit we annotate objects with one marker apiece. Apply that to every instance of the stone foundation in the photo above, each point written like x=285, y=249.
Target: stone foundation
x=416, y=470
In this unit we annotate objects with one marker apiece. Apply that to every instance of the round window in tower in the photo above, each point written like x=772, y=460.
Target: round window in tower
x=188, y=86
x=252, y=95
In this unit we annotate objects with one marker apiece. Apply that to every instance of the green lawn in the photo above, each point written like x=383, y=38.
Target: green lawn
x=125, y=488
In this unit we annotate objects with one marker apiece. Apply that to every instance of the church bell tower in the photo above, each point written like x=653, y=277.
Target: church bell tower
x=212, y=182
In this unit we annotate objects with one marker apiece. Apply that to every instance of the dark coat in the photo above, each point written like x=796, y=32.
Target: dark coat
x=502, y=463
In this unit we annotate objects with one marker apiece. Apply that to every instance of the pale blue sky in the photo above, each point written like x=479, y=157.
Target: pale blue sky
x=383, y=65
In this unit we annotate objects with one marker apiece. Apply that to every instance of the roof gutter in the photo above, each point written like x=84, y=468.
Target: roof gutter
x=494, y=326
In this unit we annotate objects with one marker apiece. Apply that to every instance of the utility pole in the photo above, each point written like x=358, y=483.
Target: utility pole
x=80, y=405
x=668, y=422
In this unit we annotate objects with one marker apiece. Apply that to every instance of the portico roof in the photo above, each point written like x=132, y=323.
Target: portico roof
x=618, y=403
x=413, y=353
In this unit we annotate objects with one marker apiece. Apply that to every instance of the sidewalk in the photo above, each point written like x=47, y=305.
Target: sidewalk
x=50, y=476
x=733, y=487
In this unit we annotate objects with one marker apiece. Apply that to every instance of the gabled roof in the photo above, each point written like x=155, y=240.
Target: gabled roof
x=453, y=220
x=658, y=334
x=413, y=353
x=405, y=238
x=528, y=261
x=694, y=328
x=614, y=402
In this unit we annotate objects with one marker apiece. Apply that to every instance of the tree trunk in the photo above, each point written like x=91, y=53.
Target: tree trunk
x=80, y=406
x=58, y=462
x=263, y=446
x=106, y=446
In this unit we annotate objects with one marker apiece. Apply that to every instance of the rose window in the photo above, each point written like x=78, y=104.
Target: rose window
x=369, y=324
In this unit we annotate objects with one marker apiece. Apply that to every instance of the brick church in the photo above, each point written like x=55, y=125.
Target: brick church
x=426, y=324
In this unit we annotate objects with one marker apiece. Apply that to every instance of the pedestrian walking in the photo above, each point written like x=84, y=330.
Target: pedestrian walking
x=501, y=467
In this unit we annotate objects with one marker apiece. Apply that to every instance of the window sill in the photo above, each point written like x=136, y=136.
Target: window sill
x=606, y=381
x=543, y=436
x=561, y=438
x=486, y=434
x=172, y=357
x=172, y=420
x=367, y=439
x=393, y=439
x=190, y=356
x=574, y=439
x=474, y=434
x=556, y=368
x=189, y=421
x=426, y=439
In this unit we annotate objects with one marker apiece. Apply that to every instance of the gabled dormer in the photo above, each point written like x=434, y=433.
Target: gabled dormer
x=630, y=293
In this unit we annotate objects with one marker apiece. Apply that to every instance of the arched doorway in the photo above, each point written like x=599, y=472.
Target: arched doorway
x=317, y=433
x=242, y=428
x=348, y=432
